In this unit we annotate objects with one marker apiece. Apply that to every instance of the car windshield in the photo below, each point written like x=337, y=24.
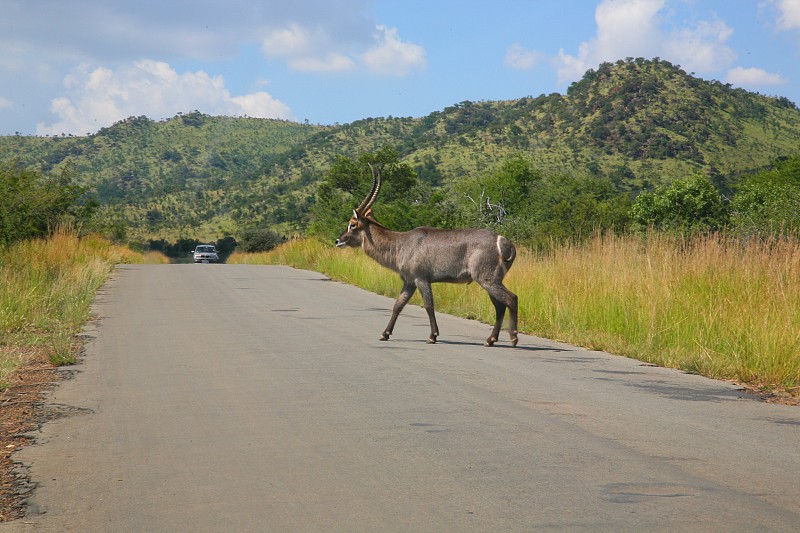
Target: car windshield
x=204, y=249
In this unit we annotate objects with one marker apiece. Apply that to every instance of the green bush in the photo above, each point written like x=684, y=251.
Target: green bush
x=259, y=240
x=687, y=204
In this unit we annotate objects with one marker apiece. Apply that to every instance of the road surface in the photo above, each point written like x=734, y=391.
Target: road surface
x=254, y=398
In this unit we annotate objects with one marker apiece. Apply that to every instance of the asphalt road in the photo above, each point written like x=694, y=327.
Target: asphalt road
x=252, y=398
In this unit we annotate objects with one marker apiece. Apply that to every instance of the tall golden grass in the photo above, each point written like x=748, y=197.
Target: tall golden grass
x=46, y=288
x=712, y=305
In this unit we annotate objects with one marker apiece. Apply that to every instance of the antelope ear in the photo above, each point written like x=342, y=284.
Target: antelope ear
x=355, y=214
x=368, y=214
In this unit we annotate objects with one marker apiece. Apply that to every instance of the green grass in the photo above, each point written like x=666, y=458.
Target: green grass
x=46, y=288
x=710, y=305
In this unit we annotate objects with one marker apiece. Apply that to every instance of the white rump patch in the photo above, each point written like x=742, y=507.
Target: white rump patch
x=500, y=238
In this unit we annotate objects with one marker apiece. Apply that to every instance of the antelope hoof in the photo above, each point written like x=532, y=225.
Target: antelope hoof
x=432, y=340
x=514, y=339
x=490, y=341
x=384, y=336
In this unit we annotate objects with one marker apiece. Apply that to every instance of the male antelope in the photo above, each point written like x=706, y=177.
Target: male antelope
x=428, y=255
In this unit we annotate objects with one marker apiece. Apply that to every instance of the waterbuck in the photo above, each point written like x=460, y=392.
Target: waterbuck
x=428, y=255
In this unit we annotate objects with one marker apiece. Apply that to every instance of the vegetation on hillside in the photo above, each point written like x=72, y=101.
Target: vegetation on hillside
x=192, y=176
x=630, y=126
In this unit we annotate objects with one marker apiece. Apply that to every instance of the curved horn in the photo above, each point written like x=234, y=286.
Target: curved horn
x=373, y=193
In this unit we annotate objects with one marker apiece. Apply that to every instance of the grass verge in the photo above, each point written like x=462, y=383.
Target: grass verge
x=46, y=288
x=708, y=305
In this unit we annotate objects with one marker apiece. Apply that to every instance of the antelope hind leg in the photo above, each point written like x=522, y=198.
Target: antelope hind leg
x=500, y=311
x=502, y=298
x=512, y=303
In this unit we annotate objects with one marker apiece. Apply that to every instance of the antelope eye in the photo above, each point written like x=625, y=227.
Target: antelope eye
x=352, y=225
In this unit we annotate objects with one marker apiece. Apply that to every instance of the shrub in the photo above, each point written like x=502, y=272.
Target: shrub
x=260, y=240
x=688, y=204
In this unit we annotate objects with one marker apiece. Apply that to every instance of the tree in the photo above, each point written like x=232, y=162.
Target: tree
x=491, y=198
x=32, y=204
x=349, y=181
x=687, y=204
x=355, y=178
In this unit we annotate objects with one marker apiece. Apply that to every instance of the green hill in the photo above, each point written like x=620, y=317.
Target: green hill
x=639, y=122
x=186, y=176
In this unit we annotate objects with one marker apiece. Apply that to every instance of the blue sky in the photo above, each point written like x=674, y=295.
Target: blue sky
x=75, y=67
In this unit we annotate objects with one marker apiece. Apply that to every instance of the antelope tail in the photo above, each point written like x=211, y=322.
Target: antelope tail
x=506, y=250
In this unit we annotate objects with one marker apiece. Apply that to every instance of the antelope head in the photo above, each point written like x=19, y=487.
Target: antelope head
x=362, y=215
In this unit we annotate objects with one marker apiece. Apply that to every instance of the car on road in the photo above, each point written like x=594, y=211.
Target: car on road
x=205, y=253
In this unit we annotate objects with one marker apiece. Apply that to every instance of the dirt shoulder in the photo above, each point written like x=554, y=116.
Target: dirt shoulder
x=22, y=412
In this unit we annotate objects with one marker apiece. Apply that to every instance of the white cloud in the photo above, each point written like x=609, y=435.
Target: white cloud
x=635, y=28
x=701, y=48
x=788, y=14
x=98, y=97
x=326, y=63
x=392, y=56
x=624, y=28
x=260, y=105
x=517, y=57
x=47, y=39
x=626, y=25
x=291, y=41
x=5, y=103
x=305, y=50
x=315, y=50
x=753, y=77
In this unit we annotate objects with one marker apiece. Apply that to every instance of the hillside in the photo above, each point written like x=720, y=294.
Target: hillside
x=168, y=178
x=638, y=122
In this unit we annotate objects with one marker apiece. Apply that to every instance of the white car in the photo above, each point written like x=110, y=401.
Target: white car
x=205, y=253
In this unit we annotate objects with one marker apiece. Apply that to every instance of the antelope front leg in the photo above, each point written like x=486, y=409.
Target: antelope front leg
x=405, y=295
x=427, y=298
